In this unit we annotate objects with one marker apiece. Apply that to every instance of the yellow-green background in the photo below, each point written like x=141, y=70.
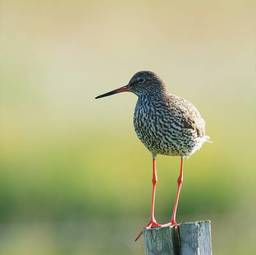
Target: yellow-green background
x=74, y=179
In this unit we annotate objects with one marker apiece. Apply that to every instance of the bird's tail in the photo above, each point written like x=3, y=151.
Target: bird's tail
x=201, y=140
x=207, y=139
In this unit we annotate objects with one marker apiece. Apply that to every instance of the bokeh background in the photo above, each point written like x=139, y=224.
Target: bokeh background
x=74, y=178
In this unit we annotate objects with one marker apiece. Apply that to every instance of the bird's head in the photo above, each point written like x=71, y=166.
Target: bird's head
x=142, y=83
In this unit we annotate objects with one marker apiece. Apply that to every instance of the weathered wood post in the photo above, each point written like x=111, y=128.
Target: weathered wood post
x=188, y=239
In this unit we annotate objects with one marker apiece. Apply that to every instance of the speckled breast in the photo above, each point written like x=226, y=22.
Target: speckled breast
x=160, y=129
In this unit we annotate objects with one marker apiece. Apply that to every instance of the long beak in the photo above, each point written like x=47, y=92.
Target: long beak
x=115, y=91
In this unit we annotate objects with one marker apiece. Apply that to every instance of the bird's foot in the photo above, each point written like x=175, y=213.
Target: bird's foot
x=172, y=223
x=151, y=224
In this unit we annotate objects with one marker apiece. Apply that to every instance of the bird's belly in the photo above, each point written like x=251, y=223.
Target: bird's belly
x=163, y=137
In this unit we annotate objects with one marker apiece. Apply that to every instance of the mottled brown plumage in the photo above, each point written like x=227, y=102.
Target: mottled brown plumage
x=165, y=123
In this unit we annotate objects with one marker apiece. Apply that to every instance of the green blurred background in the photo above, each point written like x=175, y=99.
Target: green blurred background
x=74, y=178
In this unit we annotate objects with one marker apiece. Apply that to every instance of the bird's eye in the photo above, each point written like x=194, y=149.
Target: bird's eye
x=140, y=80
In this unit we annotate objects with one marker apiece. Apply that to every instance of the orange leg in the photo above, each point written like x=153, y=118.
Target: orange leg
x=152, y=223
x=180, y=182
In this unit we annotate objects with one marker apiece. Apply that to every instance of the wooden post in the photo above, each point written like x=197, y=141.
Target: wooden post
x=188, y=239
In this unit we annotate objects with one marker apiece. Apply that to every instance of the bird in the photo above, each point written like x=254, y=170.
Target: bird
x=166, y=124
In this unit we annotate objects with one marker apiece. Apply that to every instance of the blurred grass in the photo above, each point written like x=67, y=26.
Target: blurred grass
x=67, y=180
x=74, y=178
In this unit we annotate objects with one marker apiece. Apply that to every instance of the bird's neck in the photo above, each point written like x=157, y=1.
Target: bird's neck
x=154, y=95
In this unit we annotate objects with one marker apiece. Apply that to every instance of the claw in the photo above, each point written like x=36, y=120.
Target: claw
x=151, y=224
x=171, y=224
x=138, y=236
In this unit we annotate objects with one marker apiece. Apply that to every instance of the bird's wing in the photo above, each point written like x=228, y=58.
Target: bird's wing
x=189, y=116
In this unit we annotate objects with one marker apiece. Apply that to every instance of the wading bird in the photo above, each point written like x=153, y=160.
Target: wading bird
x=166, y=124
